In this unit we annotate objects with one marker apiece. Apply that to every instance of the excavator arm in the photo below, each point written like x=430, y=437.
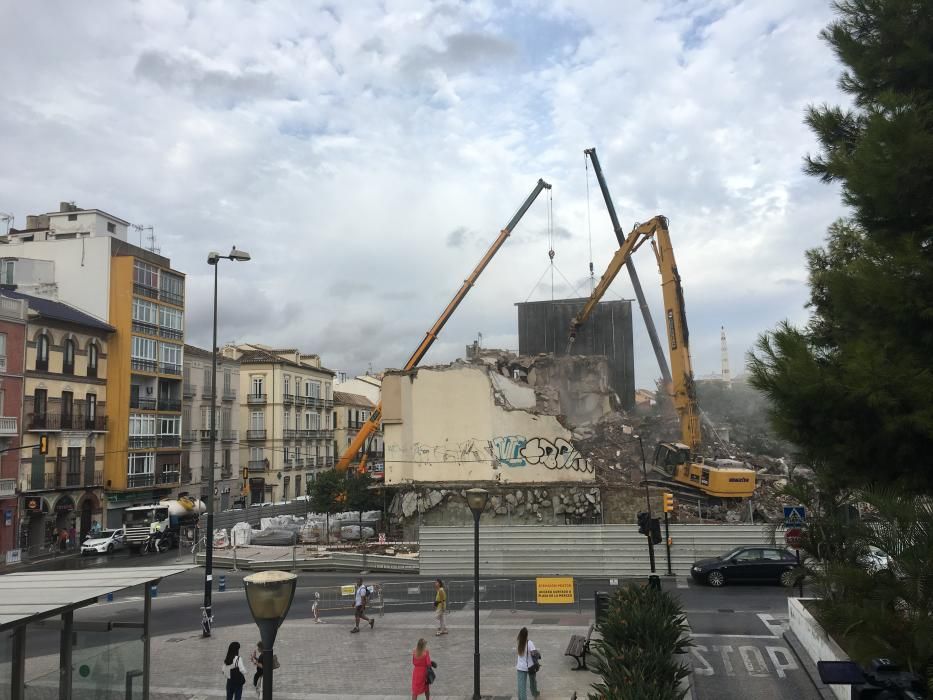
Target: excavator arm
x=370, y=426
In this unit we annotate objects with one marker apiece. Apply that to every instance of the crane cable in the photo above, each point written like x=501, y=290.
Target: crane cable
x=550, y=236
x=589, y=228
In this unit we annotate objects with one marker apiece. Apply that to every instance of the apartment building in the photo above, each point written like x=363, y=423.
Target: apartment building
x=196, y=419
x=286, y=407
x=12, y=356
x=84, y=256
x=350, y=412
x=64, y=400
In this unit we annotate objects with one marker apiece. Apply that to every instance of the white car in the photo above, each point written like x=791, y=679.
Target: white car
x=104, y=542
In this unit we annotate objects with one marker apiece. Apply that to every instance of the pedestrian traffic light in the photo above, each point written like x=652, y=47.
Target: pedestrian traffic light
x=642, y=523
x=655, y=531
x=668, y=502
x=43, y=444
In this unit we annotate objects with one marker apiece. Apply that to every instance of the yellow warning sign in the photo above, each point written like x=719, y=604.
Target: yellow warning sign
x=554, y=590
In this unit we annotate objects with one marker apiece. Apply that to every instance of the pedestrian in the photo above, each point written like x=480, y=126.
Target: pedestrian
x=421, y=668
x=440, y=607
x=234, y=671
x=315, y=612
x=72, y=536
x=526, y=662
x=63, y=539
x=256, y=658
x=362, y=593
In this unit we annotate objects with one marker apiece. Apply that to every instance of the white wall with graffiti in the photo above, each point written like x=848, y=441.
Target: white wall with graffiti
x=457, y=424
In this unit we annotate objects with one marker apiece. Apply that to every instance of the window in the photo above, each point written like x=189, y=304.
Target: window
x=314, y=421
x=145, y=311
x=68, y=363
x=285, y=488
x=68, y=409
x=142, y=425
x=111, y=227
x=172, y=288
x=298, y=453
x=40, y=402
x=307, y=388
x=92, y=356
x=285, y=419
x=171, y=357
x=228, y=382
x=313, y=389
x=145, y=274
x=308, y=421
x=286, y=385
x=170, y=425
x=207, y=379
x=225, y=419
x=186, y=417
x=327, y=390
x=298, y=486
x=258, y=385
x=297, y=420
x=74, y=466
x=42, y=353
x=257, y=420
x=7, y=270
x=2, y=352
x=141, y=464
x=172, y=319
x=286, y=453
x=748, y=555
x=144, y=349
x=72, y=217
x=255, y=454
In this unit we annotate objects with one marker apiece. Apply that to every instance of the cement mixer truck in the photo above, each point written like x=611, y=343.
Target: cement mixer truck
x=171, y=516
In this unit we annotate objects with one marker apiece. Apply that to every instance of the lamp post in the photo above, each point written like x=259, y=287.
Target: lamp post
x=207, y=616
x=644, y=469
x=270, y=595
x=476, y=498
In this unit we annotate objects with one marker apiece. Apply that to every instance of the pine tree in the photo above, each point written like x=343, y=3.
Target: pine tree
x=854, y=389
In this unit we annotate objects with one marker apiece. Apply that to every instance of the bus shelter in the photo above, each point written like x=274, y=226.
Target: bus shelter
x=75, y=659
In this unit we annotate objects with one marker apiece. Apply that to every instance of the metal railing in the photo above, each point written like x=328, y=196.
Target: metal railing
x=256, y=465
x=166, y=368
x=230, y=435
x=169, y=477
x=169, y=404
x=8, y=426
x=189, y=436
x=256, y=398
x=170, y=441
x=188, y=390
x=228, y=395
x=256, y=434
x=143, y=404
x=136, y=481
x=140, y=365
x=288, y=399
x=139, y=442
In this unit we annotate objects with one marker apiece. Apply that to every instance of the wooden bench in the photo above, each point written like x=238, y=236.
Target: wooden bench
x=577, y=648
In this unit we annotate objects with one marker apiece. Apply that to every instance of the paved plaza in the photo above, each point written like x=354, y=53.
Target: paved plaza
x=326, y=661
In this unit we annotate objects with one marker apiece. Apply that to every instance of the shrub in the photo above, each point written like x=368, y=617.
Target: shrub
x=642, y=631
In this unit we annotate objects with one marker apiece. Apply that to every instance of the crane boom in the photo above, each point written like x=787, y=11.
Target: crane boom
x=371, y=425
x=632, y=273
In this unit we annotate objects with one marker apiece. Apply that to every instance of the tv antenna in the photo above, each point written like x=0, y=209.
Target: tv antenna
x=150, y=238
x=8, y=219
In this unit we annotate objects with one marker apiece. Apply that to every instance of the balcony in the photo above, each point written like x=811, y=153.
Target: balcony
x=140, y=365
x=42, y=365
x=147, y=328
x=328, y=404
x=205, y=434
x=169, y=404
x=289, y=433
x=230, y=435
x=71, y=421
x=189, y=436
x=139, y=481
x=289, y=462
x=141, y=442
x=288, y=399
x=8, y=426
x=142, y=404
x=144, y=290
x=188, y=390
x=170, y=441
x=171, y=297
x=256, y=466
x=51, y=480
x=206, y=391
x=167, y=477
x=256, y=434
x=166, y=368
x=228, y=394
x=256, y=398
x=226, y=472
x=171, y=334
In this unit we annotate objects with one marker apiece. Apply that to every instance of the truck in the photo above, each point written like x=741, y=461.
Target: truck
x=171, y=515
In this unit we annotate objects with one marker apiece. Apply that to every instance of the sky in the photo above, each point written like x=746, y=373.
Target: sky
x=366, y=154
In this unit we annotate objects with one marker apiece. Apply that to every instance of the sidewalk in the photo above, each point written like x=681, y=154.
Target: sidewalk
x=325, y=661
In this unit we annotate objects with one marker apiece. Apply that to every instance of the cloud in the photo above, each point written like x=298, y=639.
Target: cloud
x=367, y=155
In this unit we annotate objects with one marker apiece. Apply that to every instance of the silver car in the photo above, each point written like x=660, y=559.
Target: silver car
x=103, y=542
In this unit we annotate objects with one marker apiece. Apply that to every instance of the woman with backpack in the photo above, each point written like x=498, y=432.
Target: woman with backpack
x=234, y=671
x=422, y=673
x=527, y=665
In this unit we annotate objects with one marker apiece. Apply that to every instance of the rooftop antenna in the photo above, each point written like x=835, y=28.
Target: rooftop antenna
x=724, y=353
x=479, y=339
x=8, y=218
x=150, y=238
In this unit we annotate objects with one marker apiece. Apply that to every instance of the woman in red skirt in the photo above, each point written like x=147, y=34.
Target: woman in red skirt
x=421, y=660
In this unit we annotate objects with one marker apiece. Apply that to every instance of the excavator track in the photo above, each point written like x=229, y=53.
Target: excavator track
x=689, y=494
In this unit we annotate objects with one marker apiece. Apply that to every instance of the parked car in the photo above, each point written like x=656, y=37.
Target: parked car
x=104, y=542
x=758, y=564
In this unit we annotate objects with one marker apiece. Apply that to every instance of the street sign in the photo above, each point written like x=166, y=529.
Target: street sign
x=793, y=537
x=795, y=515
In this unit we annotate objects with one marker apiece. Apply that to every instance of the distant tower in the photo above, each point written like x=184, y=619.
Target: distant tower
x=724, y=348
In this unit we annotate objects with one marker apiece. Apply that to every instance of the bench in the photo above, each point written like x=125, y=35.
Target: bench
x=577, y=648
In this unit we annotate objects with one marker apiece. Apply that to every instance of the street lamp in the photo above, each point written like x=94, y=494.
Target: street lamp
x=207, y=616
x=270, y=595
x=476, y=499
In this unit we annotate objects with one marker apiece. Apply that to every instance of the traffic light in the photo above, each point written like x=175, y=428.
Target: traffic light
x=655, y=531
x=43, y=444
x=642, y=523
x=668, y=502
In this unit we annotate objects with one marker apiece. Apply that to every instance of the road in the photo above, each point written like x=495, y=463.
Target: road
x=739, y=652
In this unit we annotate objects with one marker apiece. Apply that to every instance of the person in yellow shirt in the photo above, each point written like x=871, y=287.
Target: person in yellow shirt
x=440, y=607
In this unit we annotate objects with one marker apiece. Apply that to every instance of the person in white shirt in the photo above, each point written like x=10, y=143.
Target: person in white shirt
x=527, y=657
x=234, y=671
x=360, y=604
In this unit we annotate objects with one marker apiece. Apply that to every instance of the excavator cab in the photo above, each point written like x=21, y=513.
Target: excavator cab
x=670, y=455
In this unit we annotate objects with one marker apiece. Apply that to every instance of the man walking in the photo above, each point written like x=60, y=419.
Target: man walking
x=360, y=603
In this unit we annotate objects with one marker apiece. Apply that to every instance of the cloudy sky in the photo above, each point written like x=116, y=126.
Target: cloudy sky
x=367, y=153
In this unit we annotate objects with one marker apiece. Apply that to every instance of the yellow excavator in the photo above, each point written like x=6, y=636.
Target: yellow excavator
x=678, y=461
x=371, y=425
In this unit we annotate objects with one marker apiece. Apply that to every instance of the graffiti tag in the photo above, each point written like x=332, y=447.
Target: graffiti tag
x=507, y=450
x=559, y=454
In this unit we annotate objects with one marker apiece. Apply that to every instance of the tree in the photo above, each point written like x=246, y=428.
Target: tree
x=359, y=495
x=328, y=494
x=854, y=388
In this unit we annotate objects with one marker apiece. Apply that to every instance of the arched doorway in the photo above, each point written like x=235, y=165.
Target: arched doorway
x=87, y=510
x=37, y=527
x=64, y=512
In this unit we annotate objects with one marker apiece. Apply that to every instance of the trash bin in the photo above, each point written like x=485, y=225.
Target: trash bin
x=601, y=600
x=654, y=581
